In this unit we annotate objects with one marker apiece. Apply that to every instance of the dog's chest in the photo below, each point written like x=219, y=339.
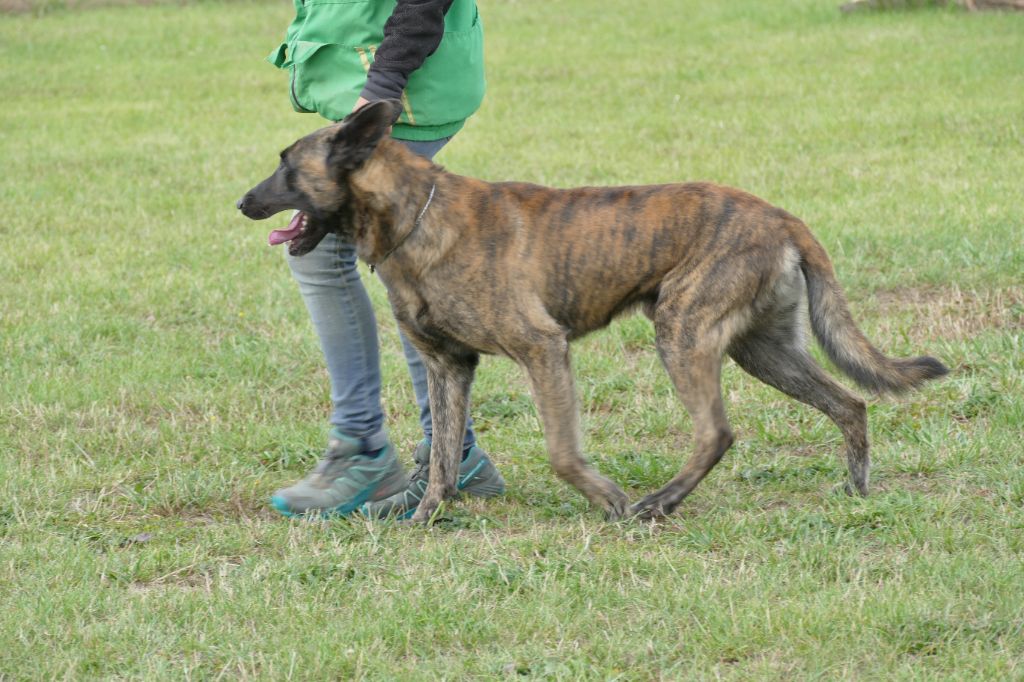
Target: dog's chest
x=446, y=317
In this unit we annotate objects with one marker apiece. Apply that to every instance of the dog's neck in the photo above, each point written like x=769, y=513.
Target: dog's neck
x=393, y=187
x=415, y=224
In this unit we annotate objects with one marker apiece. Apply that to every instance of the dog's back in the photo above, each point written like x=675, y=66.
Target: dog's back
x=591, y=253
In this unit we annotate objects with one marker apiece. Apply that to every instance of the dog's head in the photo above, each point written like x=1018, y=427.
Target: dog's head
x=313, y=178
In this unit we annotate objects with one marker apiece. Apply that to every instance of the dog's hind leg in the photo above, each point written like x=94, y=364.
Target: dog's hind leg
x=449, y=379
x=551, y=383
x=696, y=376
x=776, y=355
x=693, y=326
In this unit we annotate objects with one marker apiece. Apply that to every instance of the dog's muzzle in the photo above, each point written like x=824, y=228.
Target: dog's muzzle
x=246, y=206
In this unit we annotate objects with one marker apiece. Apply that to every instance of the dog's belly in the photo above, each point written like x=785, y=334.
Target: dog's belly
x=591, y=253
x=588, y=281
x=581, y=312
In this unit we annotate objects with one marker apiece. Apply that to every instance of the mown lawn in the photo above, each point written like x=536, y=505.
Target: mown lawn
x=159, y=376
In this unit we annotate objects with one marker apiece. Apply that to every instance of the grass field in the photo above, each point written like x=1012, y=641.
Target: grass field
x=159, y=376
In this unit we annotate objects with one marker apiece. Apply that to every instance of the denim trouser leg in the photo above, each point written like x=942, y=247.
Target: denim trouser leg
x=344, y=321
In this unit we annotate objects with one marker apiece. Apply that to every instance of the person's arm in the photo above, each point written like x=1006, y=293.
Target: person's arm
x=411, y=34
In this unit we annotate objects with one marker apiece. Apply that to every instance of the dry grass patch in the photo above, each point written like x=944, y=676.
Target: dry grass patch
x=917, y=482
x=948, y=313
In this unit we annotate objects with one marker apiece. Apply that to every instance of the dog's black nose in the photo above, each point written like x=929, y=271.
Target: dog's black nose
x=241, y=203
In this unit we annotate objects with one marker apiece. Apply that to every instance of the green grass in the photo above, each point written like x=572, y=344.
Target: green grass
x=159, y=376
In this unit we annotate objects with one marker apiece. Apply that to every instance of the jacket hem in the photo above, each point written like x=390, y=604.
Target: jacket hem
x=403, y=131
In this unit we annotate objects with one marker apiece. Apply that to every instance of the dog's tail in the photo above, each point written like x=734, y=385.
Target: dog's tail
x=839, y=336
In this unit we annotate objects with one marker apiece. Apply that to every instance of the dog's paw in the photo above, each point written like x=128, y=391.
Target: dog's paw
x=422, y=516
x=647, y=509
x=616, y=505
x=426, y=511
x=849, y=490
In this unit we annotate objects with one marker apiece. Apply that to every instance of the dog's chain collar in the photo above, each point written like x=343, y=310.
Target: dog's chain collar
x=419, y=219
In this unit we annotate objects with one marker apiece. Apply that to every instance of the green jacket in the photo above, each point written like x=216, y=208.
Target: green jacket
x=330, y=45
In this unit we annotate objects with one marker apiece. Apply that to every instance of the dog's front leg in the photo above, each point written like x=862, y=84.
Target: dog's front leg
x=448, y=381
x=554, y=391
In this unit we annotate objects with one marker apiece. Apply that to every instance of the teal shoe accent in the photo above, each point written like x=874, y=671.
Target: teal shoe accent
x=345, y=509
x=464, y=480
x=281, y=505
x=478, y=475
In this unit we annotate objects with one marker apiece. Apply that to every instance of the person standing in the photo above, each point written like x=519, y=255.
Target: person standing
x=340, y=56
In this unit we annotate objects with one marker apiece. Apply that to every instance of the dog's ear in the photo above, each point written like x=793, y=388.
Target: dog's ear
x=358, y=134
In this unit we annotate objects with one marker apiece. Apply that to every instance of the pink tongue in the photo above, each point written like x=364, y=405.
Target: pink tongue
x=289, y=233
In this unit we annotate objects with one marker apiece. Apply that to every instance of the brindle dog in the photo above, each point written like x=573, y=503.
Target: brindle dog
x=475, y=267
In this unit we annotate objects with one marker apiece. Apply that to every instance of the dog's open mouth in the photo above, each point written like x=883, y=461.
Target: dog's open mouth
x=302, y=235
x=296, y=227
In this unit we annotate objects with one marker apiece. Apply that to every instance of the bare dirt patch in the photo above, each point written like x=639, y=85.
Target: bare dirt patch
x=925, y=313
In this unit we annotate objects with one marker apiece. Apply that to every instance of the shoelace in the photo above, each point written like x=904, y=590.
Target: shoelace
x=330, y=459
x=422, y=471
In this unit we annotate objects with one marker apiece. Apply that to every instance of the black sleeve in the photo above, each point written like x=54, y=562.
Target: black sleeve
x=411, y=34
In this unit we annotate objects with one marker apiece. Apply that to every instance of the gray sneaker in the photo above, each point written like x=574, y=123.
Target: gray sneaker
x=477, y=476
x=344, y=479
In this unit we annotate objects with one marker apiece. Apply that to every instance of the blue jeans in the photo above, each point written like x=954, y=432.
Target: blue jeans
x=343, y=318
